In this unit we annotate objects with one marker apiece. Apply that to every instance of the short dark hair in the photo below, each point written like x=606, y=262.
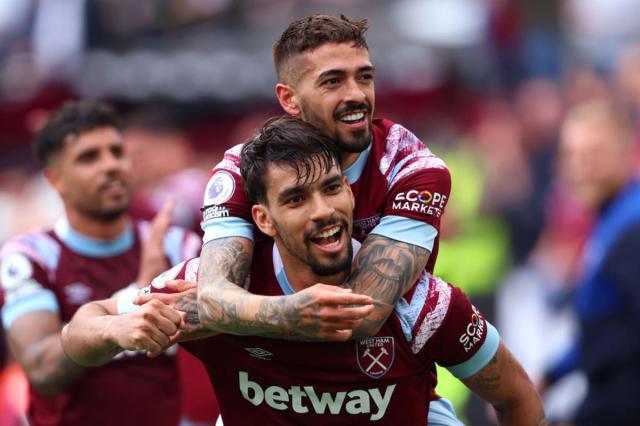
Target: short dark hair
x=312, y=32
x=289, y=141
x=73, y=118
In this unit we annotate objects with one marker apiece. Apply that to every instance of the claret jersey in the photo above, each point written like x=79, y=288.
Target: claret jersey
x=58, y=271
x=385, y=379
x=401, y=189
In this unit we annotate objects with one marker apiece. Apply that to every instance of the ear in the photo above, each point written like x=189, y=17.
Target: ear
x=262, y=219
x=346, y=182
x=288, y=99
x=52, y=175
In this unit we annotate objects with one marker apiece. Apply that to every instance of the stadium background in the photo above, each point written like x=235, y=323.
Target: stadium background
x=483, y=82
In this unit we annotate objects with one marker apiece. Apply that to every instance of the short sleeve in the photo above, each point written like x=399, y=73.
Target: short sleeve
x=421, y=194
x=465, y=341
x=226, y=210
x=24, y=287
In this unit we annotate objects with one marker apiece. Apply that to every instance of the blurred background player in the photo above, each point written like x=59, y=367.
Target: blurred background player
x=304, y=203
x=597, y=161
x=94, y=251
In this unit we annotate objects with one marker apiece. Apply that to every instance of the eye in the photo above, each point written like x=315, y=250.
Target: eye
x=367, y=77
x=117, y=151
x=294, y=200
x=334, y=188
x=88, y=156
x=330, y=82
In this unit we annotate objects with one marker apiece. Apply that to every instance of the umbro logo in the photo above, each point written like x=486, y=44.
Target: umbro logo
x=259, y=353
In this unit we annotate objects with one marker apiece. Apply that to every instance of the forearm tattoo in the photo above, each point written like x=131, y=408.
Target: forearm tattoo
x=385, y=269
x=489, y=377
x=51, y=370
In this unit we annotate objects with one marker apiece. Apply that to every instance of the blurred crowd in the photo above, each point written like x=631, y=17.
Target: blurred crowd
x=485, y=83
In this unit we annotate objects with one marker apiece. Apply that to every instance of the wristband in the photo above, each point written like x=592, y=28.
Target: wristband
x=125, y=299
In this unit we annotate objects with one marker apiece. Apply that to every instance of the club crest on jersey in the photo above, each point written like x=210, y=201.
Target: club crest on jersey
x=220, y=188
x=375, y=355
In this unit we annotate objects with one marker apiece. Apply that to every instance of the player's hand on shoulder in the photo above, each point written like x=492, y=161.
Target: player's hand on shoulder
x=153, y=328
x=153, y=259
x=328, y=312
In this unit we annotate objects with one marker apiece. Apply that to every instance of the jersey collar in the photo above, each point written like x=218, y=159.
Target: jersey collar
x=93, y=247
x=281, y=274
x=354, y=171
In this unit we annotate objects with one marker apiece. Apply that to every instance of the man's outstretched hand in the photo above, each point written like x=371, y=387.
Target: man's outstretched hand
x=320, y=312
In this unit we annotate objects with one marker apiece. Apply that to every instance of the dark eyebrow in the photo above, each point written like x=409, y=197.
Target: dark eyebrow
x=294, y=190
x=331, y=180
x=331, y=73
x=341, y=73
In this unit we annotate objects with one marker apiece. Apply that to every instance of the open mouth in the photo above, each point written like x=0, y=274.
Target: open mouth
x=353, y=117
x=329, y=239
x=113, y=187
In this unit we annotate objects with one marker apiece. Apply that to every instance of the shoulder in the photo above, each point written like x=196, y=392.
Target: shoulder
x=400, y=153
x=225, y=184
x=230, y=160
x=39, y=247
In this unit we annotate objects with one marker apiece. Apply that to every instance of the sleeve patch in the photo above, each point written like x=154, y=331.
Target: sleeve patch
x=220, y=188
x=15, y=269
x=17, y=278
x=481, y=358
x=38, y=246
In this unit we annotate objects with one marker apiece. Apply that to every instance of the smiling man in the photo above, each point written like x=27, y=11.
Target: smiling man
x=92, y=252
x=326, y=77
x=302, y=201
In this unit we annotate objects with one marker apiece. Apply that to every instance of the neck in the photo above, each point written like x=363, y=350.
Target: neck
x=95, y=228
x=347, y=159
x=300, y=276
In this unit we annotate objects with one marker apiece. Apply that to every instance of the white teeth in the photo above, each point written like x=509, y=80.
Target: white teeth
x=328, y=232
x=353, y=117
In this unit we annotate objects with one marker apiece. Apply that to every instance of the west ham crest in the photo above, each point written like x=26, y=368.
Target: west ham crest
x=375, y=355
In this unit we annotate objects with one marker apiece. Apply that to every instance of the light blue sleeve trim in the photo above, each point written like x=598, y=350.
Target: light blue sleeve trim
x=226, y=227
x=41, y=300
x=442, y=413
x=481, y=358
x=407, y=230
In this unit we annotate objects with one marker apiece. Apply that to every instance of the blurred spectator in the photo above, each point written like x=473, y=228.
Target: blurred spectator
x=596, y=140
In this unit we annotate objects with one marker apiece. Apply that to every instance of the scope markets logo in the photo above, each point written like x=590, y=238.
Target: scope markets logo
x=474, y=331
x=426, y=202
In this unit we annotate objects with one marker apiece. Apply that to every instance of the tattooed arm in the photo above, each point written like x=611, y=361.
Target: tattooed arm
x=505, y=385
x=319, y=312
x=35, y=341
x=384, y=269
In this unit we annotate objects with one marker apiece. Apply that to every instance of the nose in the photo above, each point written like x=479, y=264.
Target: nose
x=321, y=208
x=354, y=92
x=112, y=163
